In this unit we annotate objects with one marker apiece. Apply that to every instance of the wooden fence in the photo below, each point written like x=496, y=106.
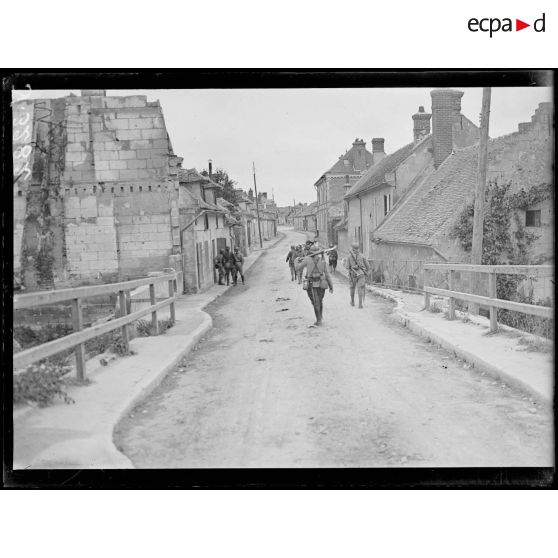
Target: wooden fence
x=80, y=335
x=491, y=301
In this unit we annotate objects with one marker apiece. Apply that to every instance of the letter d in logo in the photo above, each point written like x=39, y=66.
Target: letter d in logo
x=539, y=24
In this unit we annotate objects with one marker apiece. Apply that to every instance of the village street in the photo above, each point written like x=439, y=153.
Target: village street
x=265, y=390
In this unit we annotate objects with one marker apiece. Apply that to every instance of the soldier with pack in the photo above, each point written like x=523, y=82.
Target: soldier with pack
x=317, y=280
x=218, y=262
x=359, y=269
x=291, y=261
x=238, y=263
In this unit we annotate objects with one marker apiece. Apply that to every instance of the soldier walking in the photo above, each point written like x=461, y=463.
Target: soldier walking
x=317, y=280
x=298, y=258
x=358, y=272
x=218, y=262
x=291, y=261
x=238, y=263
x=228, y=263
x=332, y=259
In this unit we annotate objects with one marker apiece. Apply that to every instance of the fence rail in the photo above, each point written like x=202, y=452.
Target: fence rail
x=80, y=336
x=491, y=301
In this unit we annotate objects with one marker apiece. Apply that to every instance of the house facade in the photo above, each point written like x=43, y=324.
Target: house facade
x=422, y=226
x=333, y=185
x=204, y=227
x=378, y=192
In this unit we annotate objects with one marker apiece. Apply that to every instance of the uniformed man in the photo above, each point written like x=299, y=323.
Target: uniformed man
x=318, y=280
x=359, y=269
x=218, y=261
x=332, y=254
x=291, y=261
x=298, y=259
x=228, y=263
x=238, y=263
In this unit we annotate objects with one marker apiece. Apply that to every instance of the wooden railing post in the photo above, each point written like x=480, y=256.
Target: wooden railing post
x=426, y=294
x=451, y=301
x=124, y=312
x=492, y=293
x=77, y=323
x=154, y=321
x=171, y=295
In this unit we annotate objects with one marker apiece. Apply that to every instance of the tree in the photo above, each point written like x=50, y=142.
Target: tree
x=222, y=178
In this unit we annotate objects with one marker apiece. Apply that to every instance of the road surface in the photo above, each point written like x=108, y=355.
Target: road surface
x=265, y=390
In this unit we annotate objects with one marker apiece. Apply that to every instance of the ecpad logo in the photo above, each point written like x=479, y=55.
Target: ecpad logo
x=493, y=25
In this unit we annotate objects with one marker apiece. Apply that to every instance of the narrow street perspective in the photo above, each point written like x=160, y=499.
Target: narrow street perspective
x=265, y=390
x=214, y=278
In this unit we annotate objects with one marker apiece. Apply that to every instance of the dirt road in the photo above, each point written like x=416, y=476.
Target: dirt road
x=264, y=390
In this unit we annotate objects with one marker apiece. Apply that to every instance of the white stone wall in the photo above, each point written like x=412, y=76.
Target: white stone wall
x=90, y=234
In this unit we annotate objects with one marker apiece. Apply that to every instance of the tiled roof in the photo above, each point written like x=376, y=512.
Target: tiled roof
x=433, y=204
x=310, y=210
x=430, y=208
x=375, y=176
x=192, y=175
x=341, y=168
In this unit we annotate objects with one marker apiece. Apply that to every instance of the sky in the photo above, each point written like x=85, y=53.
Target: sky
x=294, y=135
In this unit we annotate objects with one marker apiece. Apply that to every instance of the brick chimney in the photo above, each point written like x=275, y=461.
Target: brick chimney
x=378, y=152
x=421, y=124
x=446, y=106
x=359, y=155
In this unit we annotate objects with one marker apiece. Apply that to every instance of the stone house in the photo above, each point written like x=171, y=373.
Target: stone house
x=379, y=191
x=268, y=216
x=204, y=228
x=297, y=216
x=333, y=184
x=306, y=219
x=96, y=190
x=421, y=227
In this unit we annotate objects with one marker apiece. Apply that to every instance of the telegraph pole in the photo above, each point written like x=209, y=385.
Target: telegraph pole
x=478, y=219
x=257, y=204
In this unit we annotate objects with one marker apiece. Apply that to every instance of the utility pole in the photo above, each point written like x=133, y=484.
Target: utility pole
x=257, y=205
x=478, y=220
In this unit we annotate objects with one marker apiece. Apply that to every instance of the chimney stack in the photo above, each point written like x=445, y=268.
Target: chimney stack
x=378, y=152
x=210, y=167
x=446, y=106
x=359, y=154
x=421, y=124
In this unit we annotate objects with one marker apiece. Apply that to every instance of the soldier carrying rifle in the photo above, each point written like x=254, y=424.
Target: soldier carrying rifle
x=359, y=269
x=317, y=280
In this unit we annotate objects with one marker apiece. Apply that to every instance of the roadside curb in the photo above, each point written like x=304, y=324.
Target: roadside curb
x=144, y=389
x=477, y=362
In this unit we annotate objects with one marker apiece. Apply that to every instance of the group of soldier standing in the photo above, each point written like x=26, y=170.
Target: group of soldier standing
x=229, y=265
x=318, y=273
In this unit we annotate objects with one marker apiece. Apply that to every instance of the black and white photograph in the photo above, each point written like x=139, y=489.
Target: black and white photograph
x=281, y=278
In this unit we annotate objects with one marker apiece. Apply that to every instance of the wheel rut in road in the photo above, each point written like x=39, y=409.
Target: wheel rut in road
x=262, y=389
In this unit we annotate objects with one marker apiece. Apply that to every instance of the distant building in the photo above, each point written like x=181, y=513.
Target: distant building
x=332, y=186
x=204, y=227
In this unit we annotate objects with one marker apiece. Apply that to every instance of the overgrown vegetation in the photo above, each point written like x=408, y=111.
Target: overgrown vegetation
x=506, y=241
x=145, y=328
x=41, y=383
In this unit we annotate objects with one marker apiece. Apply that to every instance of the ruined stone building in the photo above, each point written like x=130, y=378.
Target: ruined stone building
x=100, y=199
x=334, y=183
